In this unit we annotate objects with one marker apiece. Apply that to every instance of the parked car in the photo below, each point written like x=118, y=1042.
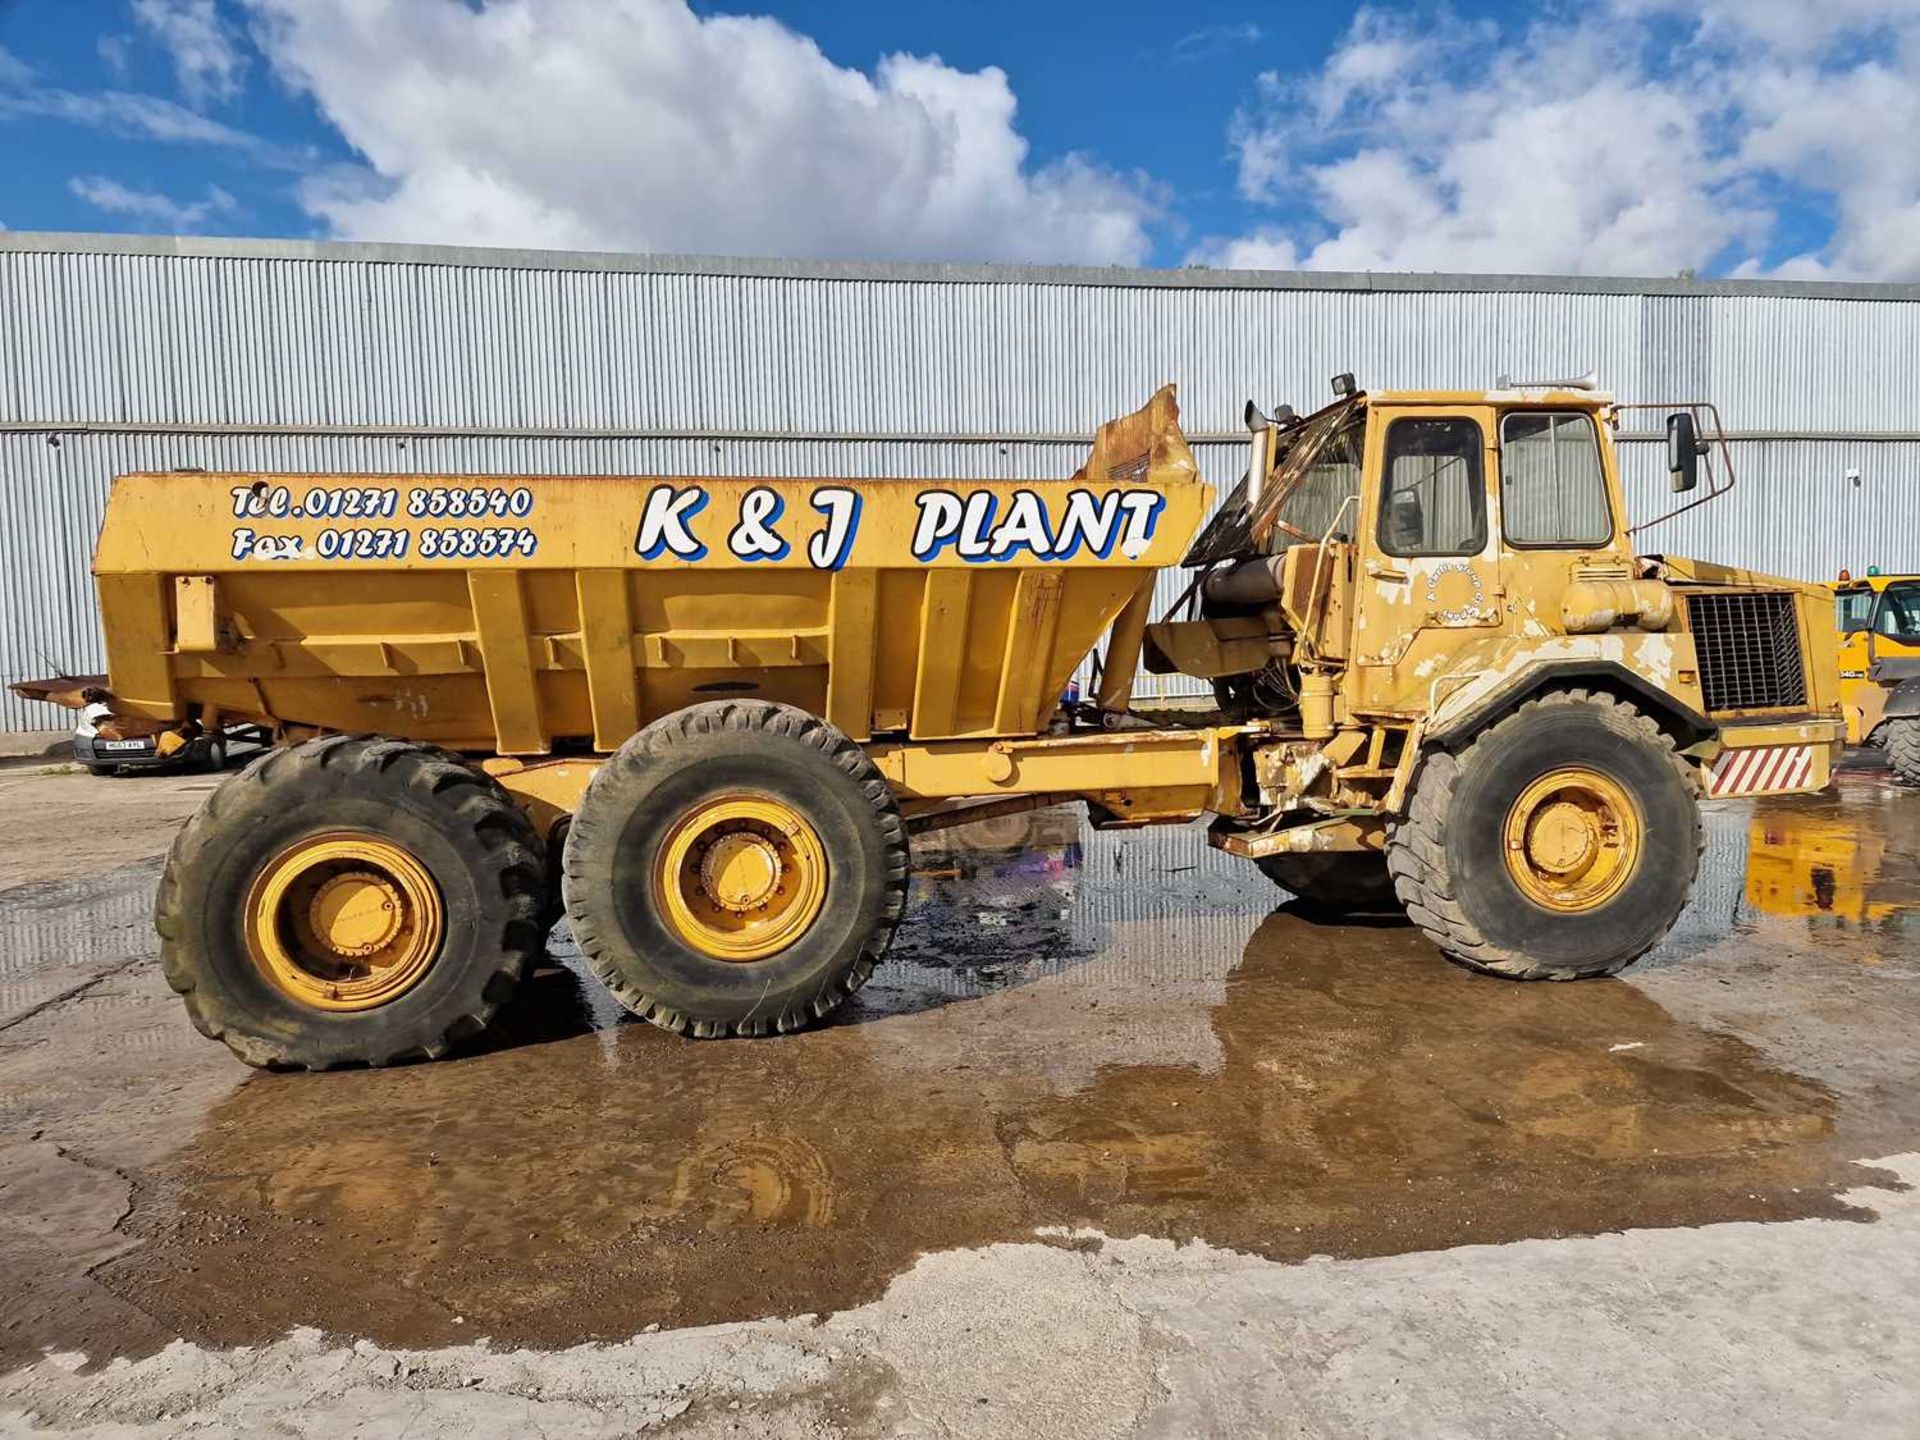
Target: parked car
x=105, y=756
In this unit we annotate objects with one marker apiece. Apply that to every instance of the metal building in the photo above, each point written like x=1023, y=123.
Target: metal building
x=131, y=353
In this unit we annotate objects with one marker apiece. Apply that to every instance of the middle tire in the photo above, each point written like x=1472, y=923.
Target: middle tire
x=736, y=868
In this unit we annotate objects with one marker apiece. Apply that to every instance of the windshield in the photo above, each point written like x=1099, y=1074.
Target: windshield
x=1313, y=484
x=1853, y=610
x=1316, y=470
x=1898, y=617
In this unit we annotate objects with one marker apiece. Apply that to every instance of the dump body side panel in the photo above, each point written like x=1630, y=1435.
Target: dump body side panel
x=509, y=613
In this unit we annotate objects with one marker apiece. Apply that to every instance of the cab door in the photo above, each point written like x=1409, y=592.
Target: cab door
x=1430, y=580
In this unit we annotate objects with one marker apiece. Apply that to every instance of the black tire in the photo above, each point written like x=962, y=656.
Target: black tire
x=479, y=848
x=669, y=769
x=1447, y=856
x=1902, y=740
x=1335, y=883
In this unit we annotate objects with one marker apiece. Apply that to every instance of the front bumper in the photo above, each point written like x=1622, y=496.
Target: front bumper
x=98, y=754
x=1790, y=758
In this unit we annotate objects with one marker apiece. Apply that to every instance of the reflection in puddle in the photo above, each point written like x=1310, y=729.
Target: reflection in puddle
x=1112, y=1030
x=1813, y=859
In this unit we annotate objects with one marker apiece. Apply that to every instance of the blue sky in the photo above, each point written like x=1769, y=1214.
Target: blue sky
x=1615, y=136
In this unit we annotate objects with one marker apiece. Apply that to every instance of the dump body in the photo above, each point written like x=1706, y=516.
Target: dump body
x=519, y=615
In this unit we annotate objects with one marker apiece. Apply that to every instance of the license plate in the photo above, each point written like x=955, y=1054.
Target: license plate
x=126, y=744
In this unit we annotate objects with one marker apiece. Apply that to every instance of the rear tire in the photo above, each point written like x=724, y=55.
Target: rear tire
x=350, y=901
x=1902, y=739
x=736, y=868
x=1488, y=860
x=1336, y=883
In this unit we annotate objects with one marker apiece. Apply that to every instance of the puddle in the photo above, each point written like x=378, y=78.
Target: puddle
x=56, y=935
x=1106, y=1030
x=1113, y=1030
x=1811, y=860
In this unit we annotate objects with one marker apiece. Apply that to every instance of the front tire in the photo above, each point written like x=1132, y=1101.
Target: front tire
x=350, y=901
x=737, y=868
x=1562, y=843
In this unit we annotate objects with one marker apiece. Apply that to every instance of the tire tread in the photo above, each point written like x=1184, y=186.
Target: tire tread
x=1902, y=740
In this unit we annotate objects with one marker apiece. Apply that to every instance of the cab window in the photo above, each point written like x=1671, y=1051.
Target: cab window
x=1853, y=610
x=1898, y=617
x=1552, y=489
x=1434, y=501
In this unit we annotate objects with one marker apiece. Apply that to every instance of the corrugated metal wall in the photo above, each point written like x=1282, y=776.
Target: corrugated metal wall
x=682, y=367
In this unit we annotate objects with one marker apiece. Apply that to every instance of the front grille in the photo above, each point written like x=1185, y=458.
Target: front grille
x=1749, y=649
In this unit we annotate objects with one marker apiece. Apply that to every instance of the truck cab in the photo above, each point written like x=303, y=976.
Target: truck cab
x=1424, y=560
x=1486, y=512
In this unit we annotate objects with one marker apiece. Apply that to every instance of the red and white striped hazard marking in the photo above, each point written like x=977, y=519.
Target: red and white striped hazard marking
x=1763, y=770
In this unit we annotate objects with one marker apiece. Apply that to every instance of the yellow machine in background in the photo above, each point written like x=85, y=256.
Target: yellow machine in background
x=1879, y=622
x=703, y=716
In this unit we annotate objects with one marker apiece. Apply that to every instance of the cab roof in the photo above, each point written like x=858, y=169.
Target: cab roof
x=1514, y=395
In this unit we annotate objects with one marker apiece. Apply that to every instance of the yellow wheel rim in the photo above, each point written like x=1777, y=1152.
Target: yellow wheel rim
x=344, y=921
x=741, y=877
x=1572, y=839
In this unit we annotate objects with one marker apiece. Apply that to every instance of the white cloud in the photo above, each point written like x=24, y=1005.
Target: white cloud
x=637, y=124
x=1809, y=27
x=116, y=53
x=207, y=55
x=131, y=114
x=180, y=217
x=15, y=73
x=1212, y=41
x=1267, y=248
x=1630, y=137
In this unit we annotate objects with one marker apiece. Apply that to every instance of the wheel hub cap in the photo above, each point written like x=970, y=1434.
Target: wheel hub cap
x=344, y=920
x=356, y=913
x=741, y=871
x=1572, y=839
x=740, y=877
x=1562, y=838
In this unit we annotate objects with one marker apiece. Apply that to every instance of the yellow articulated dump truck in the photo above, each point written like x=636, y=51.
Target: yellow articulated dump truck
x=703, y=717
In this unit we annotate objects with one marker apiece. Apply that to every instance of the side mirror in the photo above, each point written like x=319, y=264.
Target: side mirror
x=1406, y=521
x=1683, y=451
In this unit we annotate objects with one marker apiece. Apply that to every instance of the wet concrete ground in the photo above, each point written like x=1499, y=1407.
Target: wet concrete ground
x=1124, y=1033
